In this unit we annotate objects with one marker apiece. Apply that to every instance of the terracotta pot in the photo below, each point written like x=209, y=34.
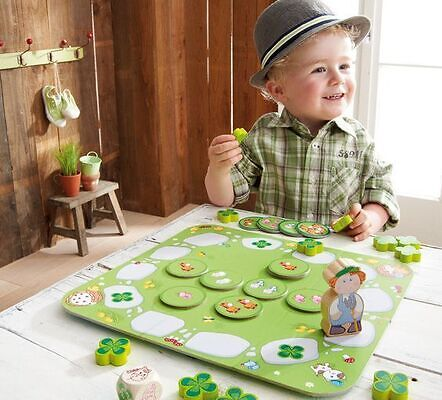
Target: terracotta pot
x=90, y=182
x=70, y=185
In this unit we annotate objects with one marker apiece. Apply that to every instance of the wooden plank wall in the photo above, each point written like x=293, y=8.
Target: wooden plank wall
x=27, y=139
x=164, y=77
x=174, y=71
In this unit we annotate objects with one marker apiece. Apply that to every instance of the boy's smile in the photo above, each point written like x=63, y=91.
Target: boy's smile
x=318, y=83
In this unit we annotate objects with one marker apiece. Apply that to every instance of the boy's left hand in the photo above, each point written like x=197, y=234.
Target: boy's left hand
x=366, y=220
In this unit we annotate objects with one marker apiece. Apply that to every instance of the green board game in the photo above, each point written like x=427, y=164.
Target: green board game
x=246, y=301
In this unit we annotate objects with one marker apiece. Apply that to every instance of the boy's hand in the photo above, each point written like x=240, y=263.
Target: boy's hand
x=224, y=152
x=366, y=220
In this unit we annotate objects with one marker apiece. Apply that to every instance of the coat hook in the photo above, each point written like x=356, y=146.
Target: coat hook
x=89, y=36
x=63, y=44
x=29, y=41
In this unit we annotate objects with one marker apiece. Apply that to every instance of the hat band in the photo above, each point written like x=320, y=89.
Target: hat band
x=292, y=35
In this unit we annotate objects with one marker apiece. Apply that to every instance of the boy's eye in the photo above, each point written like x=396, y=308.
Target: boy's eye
x=345, y=66
x=320, y=69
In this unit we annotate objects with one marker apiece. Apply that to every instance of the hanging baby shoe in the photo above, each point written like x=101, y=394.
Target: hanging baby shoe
x=52, y=101
x=69, y=108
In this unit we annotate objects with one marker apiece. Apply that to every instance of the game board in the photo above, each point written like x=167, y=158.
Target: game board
x=247, y=301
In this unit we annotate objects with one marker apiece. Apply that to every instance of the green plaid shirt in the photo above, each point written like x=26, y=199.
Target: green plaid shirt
x=307, y=177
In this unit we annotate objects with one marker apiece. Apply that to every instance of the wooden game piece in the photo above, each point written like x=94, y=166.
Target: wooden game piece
x=341, y=223
x=113, y=352
x=182, y=296
x=384, y=243
x=308, y=300
x=341, y=306
x=187, y=268
x=226, y=216
x=313, y=230
x=310, y=247
x=249, y=223
x=407, y=254
x=221, y=280
x=269, y=224
x=265, y=288
x=288, y=227
x=236, y=393
x=289, y=268
x=408, y=241
x=240, y=134
x=388, y=386
x=200, y=387
x=238, y=307
x=139, y=383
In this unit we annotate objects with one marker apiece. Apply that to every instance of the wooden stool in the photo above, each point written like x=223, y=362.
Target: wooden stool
x=86, y=201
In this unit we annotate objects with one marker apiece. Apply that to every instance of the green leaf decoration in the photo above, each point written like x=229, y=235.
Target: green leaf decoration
x=236, y=393
x=310, y=247
x=407, y=254
x=261, y=244
x=388, y=386
x=113, y=352
x=200, y=387
x=287, y=351
x=384, y=243
x=125, y=296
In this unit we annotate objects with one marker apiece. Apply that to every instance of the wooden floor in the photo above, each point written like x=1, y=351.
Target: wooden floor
x=27, y=276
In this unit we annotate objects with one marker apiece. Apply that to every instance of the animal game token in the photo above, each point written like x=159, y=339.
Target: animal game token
x=249, y=223
x=221, y=280
x=238, y=307
x=182, y=296
x=305, y=300
x=269, y=224
x=288, y=227
x=313, y=230
x=265, y=289
x=186, y=268
x=289, y=268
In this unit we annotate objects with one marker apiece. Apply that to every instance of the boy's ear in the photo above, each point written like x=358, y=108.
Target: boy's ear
x=275, y=89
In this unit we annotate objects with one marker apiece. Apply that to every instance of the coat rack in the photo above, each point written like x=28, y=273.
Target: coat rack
x=29, y=58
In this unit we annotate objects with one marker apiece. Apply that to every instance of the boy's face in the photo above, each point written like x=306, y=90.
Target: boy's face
x=318, y=83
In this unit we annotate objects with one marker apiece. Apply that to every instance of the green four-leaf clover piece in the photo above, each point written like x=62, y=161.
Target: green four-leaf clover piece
x=240, y=134
x=235, y=393
x=113, y=352
x=226, y=216
x=287, y=351
x=200, y=387
x=388, y=386
x=125, y=296
x=310, y=247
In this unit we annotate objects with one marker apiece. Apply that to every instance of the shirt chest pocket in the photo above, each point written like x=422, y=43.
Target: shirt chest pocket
x=344, y=190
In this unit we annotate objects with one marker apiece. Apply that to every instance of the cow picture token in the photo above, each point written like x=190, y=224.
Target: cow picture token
x=313, y=230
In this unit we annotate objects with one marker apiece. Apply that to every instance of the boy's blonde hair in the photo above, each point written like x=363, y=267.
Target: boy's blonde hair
x=278, y=68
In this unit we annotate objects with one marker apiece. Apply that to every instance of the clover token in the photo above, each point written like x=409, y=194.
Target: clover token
x=312, y=229
x=269, y=224
x=305, y=300
x=221, y=280
x=289, y=268
x=182, y=296
x=186, y=268
x=265, y=289
x=238, y=307
x=249, y=223
x=288, y=227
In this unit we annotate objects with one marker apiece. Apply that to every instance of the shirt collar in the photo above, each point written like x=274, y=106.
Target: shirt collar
x=287, y=120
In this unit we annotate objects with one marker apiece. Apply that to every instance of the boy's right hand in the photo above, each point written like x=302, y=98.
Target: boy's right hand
x=224, y=152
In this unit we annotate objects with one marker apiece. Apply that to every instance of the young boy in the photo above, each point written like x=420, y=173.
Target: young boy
x=310, y=162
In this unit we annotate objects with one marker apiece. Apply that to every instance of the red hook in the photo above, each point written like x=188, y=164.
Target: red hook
x=89, y=36
x=29, y=41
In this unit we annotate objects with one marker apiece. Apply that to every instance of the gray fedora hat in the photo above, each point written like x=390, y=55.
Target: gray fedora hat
x=284, y=24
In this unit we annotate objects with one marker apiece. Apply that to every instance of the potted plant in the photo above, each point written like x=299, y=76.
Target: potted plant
x=69, y=178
